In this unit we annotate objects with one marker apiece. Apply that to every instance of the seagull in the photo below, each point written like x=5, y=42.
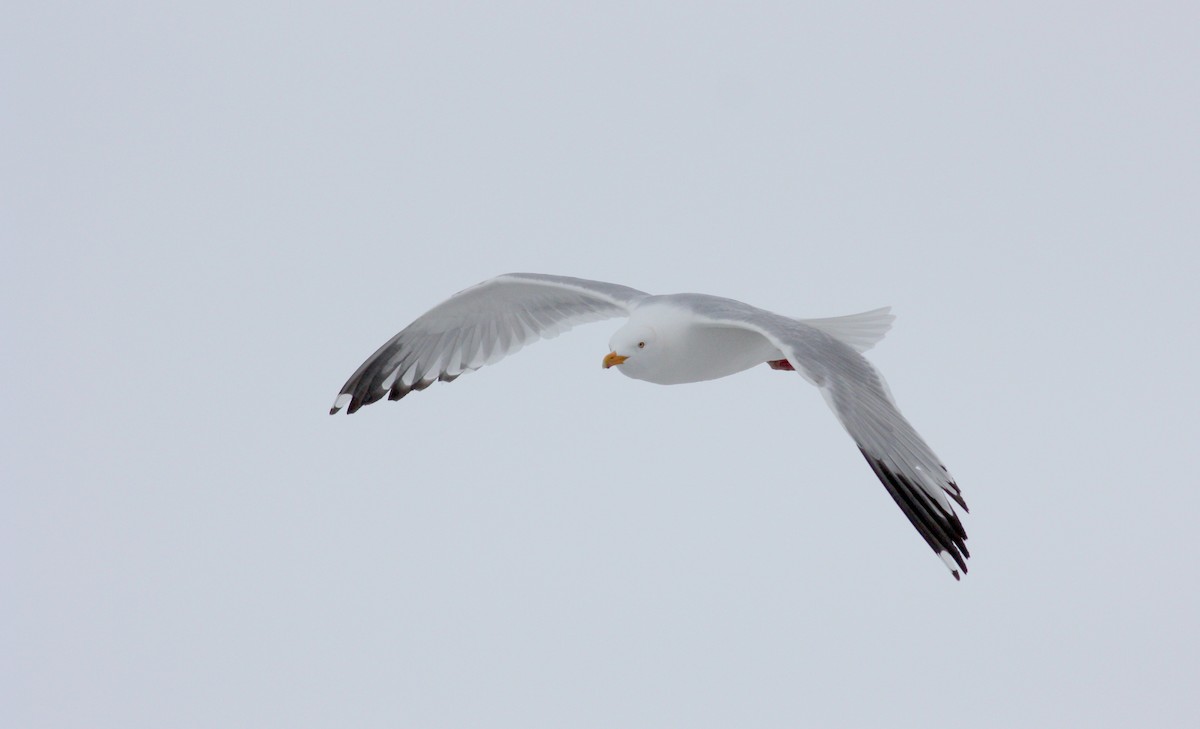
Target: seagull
x=674, y=339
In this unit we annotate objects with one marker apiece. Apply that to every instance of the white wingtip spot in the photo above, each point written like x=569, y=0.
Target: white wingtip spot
x=950, y=563
x=342, y=401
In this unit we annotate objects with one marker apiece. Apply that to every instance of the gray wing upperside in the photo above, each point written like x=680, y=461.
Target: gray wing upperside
x=908, y=468
x=480, y=326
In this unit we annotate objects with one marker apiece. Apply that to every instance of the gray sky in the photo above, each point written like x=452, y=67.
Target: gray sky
x=212, y=213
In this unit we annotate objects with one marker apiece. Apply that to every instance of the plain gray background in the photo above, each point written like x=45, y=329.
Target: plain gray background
x=211, y=213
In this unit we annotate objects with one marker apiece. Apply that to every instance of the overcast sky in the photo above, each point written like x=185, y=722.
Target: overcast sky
x=212, y=213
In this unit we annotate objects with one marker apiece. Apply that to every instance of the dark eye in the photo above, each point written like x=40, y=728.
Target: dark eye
x=641, y=345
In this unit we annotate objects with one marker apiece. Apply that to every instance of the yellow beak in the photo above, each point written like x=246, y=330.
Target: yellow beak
x=612, y=358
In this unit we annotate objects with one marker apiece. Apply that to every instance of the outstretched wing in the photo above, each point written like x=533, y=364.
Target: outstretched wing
x=908, y=468
x=479, y=326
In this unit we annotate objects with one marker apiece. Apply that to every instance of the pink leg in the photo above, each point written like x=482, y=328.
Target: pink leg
x=781, y=364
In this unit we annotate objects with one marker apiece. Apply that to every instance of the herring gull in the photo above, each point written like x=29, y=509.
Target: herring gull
x=675, y=339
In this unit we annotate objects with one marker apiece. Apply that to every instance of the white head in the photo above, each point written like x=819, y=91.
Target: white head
x=636, y=347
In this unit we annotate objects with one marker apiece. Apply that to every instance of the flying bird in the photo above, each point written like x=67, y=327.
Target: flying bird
x=674, y=339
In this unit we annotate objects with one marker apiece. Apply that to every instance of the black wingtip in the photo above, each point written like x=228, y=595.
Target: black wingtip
x=941, y=529
x=334, y=410
x=954, y=493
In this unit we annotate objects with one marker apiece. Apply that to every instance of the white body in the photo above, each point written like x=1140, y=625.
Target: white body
x=680, y=349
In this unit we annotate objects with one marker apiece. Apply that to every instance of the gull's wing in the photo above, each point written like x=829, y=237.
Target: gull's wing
x=908, y=468
x=479, y=326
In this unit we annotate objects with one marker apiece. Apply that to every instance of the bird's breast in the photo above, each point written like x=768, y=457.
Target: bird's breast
x=709, y=353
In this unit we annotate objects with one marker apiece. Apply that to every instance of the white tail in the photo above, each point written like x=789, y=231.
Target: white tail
x=861, y=331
